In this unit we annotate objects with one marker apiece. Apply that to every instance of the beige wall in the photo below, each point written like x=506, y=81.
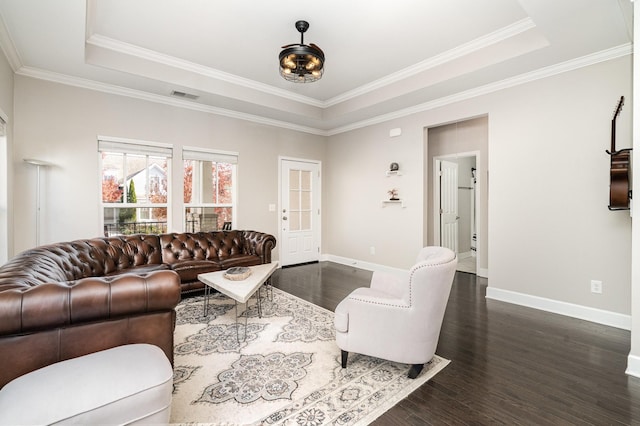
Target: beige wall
x=60, y=124
x=549, y=229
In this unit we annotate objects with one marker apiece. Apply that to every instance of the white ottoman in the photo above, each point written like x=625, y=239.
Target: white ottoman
x=129, y=384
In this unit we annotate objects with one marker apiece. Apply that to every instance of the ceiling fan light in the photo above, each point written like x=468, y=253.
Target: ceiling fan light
x=301, y=63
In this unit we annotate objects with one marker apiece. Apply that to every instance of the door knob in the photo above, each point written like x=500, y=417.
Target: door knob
x=284, y=218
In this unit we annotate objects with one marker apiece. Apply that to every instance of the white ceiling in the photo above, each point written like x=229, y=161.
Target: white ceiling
x=383, y=58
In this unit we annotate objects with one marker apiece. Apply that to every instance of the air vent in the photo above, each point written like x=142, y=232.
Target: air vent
x=184, y=95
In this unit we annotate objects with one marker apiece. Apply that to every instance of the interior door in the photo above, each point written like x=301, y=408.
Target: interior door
x=449, y=205
x=300, y=212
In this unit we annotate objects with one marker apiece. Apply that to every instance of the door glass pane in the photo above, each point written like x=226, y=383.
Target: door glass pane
x=305, y=200
x=294, y=179
x=305, y=180
x=294, y=200
x=294, y=221
x=305, y=220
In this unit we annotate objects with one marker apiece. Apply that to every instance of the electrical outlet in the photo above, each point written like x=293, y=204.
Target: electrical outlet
x=596, y=286
x=372, y=250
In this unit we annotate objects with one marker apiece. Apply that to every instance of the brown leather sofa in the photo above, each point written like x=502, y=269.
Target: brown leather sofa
x=69, y=299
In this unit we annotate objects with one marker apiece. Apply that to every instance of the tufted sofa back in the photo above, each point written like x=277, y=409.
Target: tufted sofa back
x=71, y=261
x=214, y=246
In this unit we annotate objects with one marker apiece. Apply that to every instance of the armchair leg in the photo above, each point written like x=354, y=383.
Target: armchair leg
x=345, y=355
x=415, y=370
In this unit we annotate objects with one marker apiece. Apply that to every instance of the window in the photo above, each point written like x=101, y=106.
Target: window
x=209, y=189
x=135, y=187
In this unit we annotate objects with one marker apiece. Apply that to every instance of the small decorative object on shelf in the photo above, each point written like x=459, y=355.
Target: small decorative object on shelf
x=394, y=170
x=237, y=273
x=393, y=194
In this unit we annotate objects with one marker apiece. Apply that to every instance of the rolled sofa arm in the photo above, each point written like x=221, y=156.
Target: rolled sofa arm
x=54, y=305
x=259, y=244
x=52, y=322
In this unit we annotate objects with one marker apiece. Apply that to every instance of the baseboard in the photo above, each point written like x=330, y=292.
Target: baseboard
x=362, y=265
x=481, y=272
x=599, y=316
x=633, y=366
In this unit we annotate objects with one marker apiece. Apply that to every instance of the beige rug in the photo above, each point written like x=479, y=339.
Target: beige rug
x=287, y=372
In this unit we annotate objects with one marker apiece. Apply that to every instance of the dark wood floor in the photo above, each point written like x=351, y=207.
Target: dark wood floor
x=509, y=364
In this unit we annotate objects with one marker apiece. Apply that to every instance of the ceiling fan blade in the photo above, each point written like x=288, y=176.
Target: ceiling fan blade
x=315, y=46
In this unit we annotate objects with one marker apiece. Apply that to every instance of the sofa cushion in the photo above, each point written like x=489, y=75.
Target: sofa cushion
x=188, y=270
x=138, y=270
x=240, y=260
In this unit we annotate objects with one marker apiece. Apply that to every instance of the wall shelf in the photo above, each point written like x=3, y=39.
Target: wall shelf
x=385, y=202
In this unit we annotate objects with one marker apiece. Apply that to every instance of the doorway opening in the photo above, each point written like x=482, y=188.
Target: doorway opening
x=456, y=191
x=455, y=204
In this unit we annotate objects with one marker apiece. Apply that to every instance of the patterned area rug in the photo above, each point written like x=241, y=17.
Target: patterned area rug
x=286, y=372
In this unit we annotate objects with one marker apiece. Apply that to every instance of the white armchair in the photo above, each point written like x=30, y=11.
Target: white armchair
x=398, y=318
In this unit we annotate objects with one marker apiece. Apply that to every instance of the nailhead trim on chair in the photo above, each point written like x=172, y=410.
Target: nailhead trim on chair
x=422, y=264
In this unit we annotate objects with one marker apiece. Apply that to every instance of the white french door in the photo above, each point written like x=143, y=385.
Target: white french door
x=449, y=205
x=299, y=211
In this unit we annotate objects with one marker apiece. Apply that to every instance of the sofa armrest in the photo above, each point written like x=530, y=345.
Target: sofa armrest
x=53, y=305
x=259, y=244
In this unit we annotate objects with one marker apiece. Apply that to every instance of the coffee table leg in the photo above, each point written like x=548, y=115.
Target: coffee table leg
x=269, y=288
x=259, y=301
x=238, y=323
x=206, y=300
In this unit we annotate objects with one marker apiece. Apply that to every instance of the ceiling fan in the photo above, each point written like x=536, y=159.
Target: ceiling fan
x=299, y=62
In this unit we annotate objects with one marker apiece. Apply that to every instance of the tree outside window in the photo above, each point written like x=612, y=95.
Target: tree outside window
x=134, y=192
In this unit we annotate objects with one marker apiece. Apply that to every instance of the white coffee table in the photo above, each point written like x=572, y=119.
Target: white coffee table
x=240, y=291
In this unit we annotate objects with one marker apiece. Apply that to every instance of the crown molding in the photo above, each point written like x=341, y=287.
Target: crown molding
x=444, y=57
x=8, y=47
x=151, y=97
x=592, y=59
x=108, y=43
x=573, y=64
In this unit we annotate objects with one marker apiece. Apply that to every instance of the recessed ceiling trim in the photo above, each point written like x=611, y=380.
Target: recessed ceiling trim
x=592, y=59
x=167, y=100
x=602, y=56
x=108, y=43
x=450, y=55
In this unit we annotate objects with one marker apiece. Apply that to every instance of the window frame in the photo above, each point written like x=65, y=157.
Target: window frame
x=201, y=155
x=138, y=148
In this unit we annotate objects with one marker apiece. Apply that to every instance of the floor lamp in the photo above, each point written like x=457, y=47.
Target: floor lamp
x=39, y=164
